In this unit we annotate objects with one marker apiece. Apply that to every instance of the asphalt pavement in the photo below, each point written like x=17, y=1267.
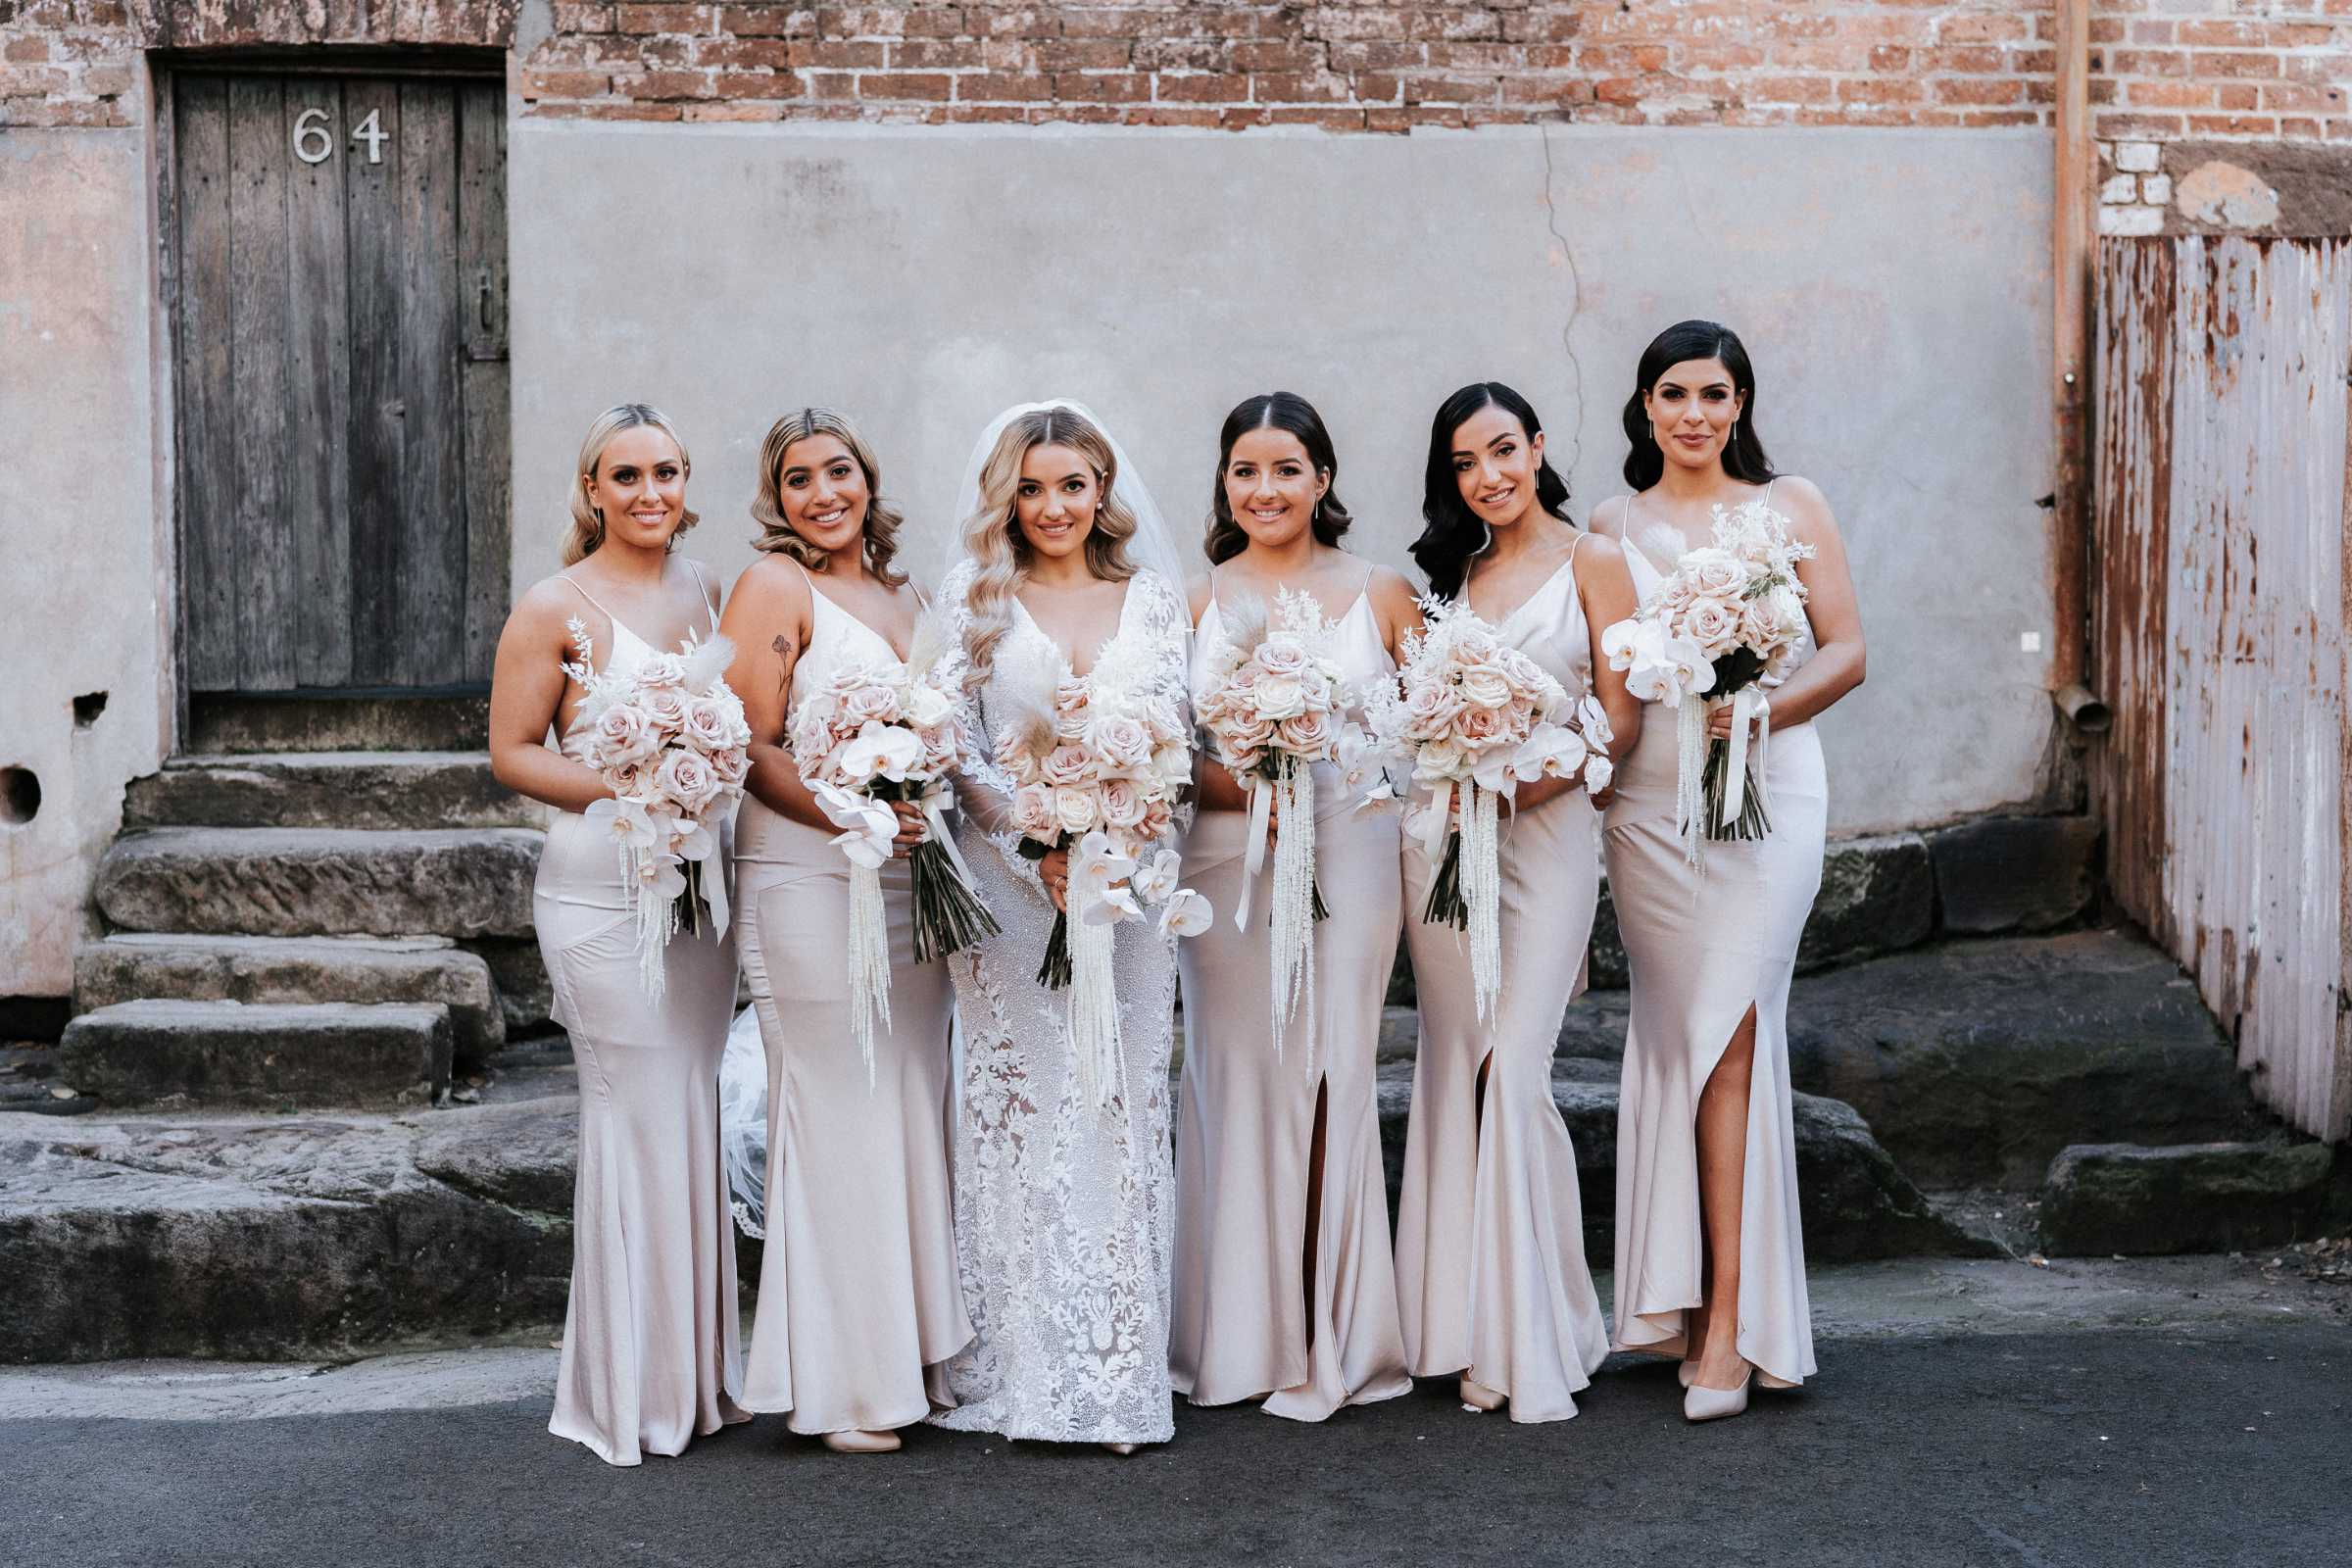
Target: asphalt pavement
x=2152, y=1430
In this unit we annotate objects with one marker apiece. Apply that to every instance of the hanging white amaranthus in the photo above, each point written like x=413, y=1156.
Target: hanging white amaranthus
x=1273, y=707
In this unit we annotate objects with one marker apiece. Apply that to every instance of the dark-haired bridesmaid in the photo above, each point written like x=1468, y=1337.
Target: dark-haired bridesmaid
x=1285, y=1284
x=1489, y=1234
x=1710, y=1255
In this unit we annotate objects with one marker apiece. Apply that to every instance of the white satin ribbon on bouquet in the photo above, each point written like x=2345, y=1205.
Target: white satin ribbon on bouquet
x=938, y=801
x=870, y=828
x=1748, y=703
x=1253, y=859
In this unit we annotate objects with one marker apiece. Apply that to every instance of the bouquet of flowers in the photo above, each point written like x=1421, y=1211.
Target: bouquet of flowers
x=877, y=732
x=1274, y=707
x=1475, y=719
x=670, y=740
x=1097, y=767
x=1731, y=615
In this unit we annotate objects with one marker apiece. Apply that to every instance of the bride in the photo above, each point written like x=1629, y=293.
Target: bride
x=1064, y=1199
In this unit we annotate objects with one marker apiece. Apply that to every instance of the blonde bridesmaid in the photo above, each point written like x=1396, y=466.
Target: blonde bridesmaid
x=1490, y=1236
x=1285, y=1285
x=1711, y=1252
x=649, y=1358
x=858, y=1288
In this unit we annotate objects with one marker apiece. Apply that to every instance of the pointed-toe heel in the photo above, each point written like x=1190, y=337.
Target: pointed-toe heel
x=1686, y=1372
x=1478, y=1398
x=1703, y=1403
x=861, y=1442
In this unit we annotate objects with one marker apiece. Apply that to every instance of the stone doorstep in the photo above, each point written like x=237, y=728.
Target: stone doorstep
x=298, y=882
x=2136, y=1200
x=132, y=966
x=371, y=790
x=265, y=1054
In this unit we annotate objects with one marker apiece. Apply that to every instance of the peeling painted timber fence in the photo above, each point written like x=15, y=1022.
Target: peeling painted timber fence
x=2222, y=584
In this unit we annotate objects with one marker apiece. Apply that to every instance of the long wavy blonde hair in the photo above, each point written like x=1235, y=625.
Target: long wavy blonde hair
x=776, y=536
x=993, y=538
x=587, y=530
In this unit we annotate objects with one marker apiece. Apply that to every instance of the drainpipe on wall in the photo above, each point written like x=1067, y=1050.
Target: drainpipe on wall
x=2069, y=364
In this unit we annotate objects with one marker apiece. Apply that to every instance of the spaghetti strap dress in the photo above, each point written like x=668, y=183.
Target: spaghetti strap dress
x=858, y=1287
x=1703, y=946
x=652, y=1357
x=1243, y=1323
x=1490, y=1233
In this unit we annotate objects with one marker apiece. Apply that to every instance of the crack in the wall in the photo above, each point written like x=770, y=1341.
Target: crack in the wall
x=1576, y=306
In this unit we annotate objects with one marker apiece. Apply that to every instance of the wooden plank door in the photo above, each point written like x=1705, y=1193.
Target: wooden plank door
x=340, y=322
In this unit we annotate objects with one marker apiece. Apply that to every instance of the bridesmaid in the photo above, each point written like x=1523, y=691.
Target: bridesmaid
x=858, y=1289
x=1710, y=1257
x=650, y=1353
x=1285, y=1286
x=1490, y=1235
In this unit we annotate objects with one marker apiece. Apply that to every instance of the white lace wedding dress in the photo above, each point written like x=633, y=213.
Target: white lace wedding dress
x=1064, y=1212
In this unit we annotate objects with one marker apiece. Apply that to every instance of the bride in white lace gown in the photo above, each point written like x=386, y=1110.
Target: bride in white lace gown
x=1064, y=1205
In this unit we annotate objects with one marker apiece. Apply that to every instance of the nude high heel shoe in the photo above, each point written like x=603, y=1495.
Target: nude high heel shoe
x=1478, y=1398
x=1701, y=1404
x=861, y=1442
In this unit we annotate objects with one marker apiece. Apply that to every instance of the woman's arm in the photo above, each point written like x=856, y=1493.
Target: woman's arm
x=769, y=619
x=1396, y=607
x=1839, y=664
x=526, y=689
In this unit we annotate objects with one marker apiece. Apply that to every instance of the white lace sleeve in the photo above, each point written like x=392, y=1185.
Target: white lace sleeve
x=983, y=789
x=1170, y=632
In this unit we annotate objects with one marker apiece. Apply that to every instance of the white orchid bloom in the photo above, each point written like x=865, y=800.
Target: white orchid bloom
x=634, y=822
x=1097, y=867
x=1552, y=749
x=1632, y=641
x=1598, y=771
x=696, y=842
x=1155, y=881
x=1116, y=903
x=870, y=828
x=662, y=874
x=884, y=751
x=1186, y=915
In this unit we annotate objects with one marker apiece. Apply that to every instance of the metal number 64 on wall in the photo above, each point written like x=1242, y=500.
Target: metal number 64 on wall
x=314, y=144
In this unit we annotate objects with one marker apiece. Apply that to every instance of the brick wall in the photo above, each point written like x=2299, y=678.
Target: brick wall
x=2163, y=69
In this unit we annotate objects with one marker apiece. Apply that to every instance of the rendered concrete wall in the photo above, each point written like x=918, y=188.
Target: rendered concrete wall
x=83, y=528
x=1891, y=285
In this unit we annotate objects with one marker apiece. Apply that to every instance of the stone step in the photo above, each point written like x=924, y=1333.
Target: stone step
x=297, y=882
x=1976, y=1062
x=302, y=1238
x=130, y=966
x=2128, y=1199
x=375, y=789
x=1856, y=1205
x=263, y=1054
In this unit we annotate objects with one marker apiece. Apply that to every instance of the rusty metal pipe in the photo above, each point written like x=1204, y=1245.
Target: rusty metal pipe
x=2083, y=710
x=2071, y=263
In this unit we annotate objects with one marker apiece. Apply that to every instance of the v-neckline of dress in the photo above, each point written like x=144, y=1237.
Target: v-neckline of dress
x=1520, y=609
x=1094, y=659
x=853, y=617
